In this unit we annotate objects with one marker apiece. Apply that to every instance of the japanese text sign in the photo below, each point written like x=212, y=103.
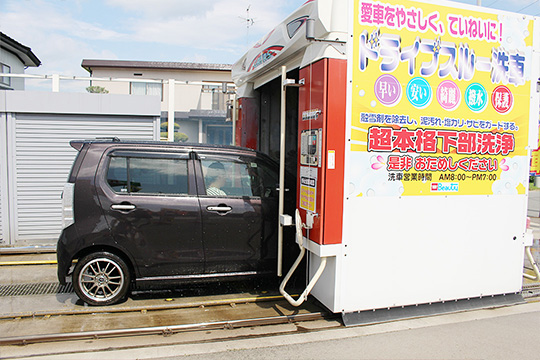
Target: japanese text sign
x=439, y=99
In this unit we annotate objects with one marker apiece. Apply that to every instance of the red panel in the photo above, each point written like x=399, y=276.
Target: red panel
x=325, y=89
x=238, y=126
x=311, y=97
x=247, y=125
x=335, y=140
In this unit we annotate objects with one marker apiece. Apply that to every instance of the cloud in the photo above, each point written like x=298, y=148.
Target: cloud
x=195, y=57
x=216, y=25
x=58, y=39
x=45, y=18
x=62, y=33
x=53, y=33
x=163, y=9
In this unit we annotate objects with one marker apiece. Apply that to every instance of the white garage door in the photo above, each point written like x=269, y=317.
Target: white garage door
x=2, y=214
x=3, y=180
x=43, y=159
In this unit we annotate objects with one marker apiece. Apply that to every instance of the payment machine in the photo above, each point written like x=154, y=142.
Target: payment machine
x=321, y=131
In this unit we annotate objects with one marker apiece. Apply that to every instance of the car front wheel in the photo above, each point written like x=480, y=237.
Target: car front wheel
x=101, y=278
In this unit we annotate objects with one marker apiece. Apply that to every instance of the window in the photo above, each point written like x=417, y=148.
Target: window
x=219, y=134
x=270, y=180
x=218, y=97
x=294, y=26
x=117, y=174
x=5, y=69
x=129, y=175
x=224, y=177
x=142, y=88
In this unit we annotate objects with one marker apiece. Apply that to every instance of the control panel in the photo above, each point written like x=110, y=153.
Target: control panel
x=310, y=147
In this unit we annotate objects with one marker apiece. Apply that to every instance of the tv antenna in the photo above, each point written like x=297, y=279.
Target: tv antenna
x=249, y=23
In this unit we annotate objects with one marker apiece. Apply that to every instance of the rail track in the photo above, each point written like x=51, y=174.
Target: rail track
x=169, y=304
x=162, y=317
x=530, y=292
x=145, y=313
x=164, y=330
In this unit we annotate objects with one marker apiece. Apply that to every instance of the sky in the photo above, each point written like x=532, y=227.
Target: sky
x=62, y=33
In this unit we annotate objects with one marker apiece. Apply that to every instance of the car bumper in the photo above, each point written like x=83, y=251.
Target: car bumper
x=64, y=256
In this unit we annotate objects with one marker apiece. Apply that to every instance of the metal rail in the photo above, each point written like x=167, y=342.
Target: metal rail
x=140, y=308
x=27, y=262
x=38, y=249
x=530, y=290
x=164, y=330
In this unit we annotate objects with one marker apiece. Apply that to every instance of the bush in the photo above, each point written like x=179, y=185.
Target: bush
x=97, y=90
x=178, y=136
x=165, y=125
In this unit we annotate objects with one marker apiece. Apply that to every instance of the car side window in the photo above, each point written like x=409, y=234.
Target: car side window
x=226, y=177
x=270, y=180
x=117, y=174
x=128, y=175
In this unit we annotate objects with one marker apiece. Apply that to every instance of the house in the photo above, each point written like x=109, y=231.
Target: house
x=14, y=59
x=200, y=93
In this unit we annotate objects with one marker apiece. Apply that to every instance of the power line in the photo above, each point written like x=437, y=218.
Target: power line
x=493, y=3
x=531, y=4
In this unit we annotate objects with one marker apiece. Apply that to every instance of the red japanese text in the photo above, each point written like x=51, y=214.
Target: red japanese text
x=445, y=141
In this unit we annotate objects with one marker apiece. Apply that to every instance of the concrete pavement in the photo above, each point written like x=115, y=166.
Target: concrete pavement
x=505, y=333
x=533, y=208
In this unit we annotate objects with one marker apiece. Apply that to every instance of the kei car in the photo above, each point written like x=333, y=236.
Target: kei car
x=141, y=213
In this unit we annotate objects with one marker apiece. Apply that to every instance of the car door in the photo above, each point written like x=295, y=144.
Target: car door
x=239, y=219
x=151, y=206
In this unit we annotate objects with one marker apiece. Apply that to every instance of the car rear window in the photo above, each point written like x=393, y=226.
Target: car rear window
x=75, y=167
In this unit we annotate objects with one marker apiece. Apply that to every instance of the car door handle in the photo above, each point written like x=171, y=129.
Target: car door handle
x=219, y=208
x=123, y=207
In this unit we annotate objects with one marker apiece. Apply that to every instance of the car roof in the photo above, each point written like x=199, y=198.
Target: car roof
x=78, y=144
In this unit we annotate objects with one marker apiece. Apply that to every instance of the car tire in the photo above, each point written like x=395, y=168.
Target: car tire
x=101, y=278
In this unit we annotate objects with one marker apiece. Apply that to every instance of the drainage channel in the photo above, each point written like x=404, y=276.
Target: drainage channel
x=86, y=310
x=35, y=289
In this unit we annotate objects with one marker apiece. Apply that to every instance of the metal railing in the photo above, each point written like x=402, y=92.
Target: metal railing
x=227, y=88
x=55, y=80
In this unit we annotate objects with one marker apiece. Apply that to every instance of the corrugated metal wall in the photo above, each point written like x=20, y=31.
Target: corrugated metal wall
x=1, y=220
x=42, y=161
x=2, y=212
x=3, y=179
x=1, y=217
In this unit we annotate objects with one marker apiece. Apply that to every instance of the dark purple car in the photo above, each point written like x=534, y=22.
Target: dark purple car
x=158, y=212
